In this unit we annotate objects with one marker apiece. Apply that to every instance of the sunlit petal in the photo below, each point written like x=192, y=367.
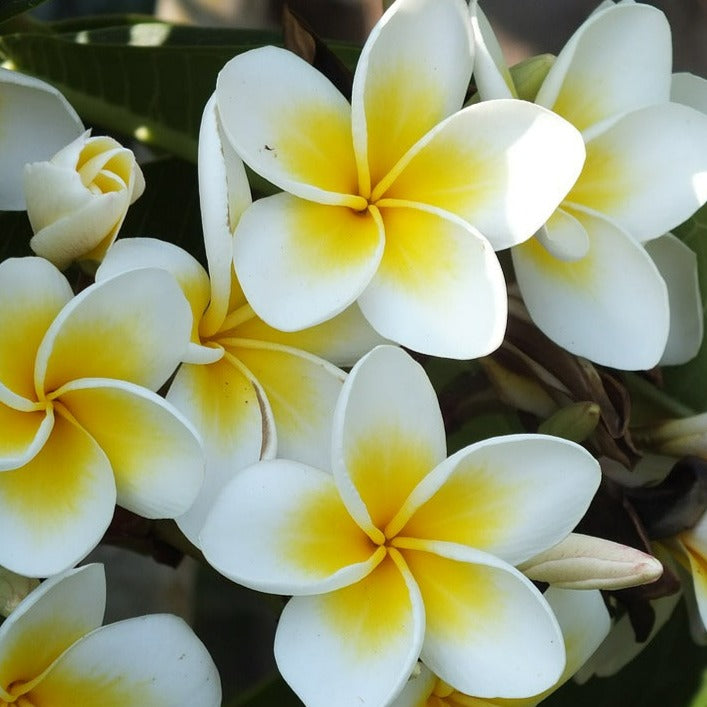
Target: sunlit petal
x=503, y=166
x=32, y=292
x=388, y=434
x=290, y=124
x=648, y=171
x=365, y=638
x=224, y=194
x=341, y=340
x=55, y=509
x=301, y=390
x=604, y=69
x=399, y=74
x=55, y=615
x=439, y=288
x=301, y=263
x=280, y=526
x=489, y=631
x=37, y=121
x=141, y=341
x=155, y=454
x=230, y=412
x=677, y=265
x=149, y=660
x=610, y=306
x=487, y=495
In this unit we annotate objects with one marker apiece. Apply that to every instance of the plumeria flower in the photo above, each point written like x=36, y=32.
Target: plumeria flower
x=251, y=391
x=585, y=623
x=399, y=553
x=82, y=428
x=77, y=201
x=398, y=199
x=586, y=278
x=54, y=651
x=690, y=549
x=36, y=121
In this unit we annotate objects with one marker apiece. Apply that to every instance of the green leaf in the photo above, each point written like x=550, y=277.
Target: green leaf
x=685, y=383
x=10, y=8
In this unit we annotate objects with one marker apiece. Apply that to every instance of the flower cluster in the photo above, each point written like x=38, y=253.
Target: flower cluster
x=262, y=399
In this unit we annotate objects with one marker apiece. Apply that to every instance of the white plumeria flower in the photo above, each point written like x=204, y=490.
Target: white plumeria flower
x=400, y=553
x=585, y=623
x=82, y=428
x=77, y=201
x=691, y=547
x=36, y=121
x=251, y=391
x=586, y=278
x=54, y=651
x=398, y=199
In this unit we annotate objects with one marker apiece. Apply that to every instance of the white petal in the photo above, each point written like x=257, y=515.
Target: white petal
x=364, y=638
x=690, y=90
x=388, y=434
x=439, y=289
x=280, y=527
x=37, y=121
x=610, y=306
x=301, y=263
x=677, y=265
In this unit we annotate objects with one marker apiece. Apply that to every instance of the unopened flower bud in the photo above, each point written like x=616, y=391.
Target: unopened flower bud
x=529, y=74
x=586, y=562
x=574, y=422
x=678, y=438
x=76, y=202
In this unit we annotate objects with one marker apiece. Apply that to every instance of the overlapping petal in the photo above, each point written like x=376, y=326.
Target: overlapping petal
x=232, y=415
x=439, y=288
x=388, y=434
x=290, y=124
x=301, y=391
x=365, y=638
x=141, y=341
x=341, y=340
x=72, y=604
x=398, y=74
x=588, y=83
x=155, y=453
x=224, y=194
x=23, y=435
x=485, y=496
x=55, y=508
x=134, y=253
x=694, y=545
x=37, y=121
x=300, y=263
x=677, y=265
x=648, y=171
x=33, y=292
x=616, y=287
x=150, y=660
x=493, y=634
x=503, y=166
x=280, y=526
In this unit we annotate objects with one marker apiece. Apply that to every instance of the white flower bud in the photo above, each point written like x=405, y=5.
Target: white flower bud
x=76, y=202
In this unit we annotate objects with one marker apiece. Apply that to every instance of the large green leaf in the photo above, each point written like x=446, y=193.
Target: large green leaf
x=149, y=79
x=687, y=382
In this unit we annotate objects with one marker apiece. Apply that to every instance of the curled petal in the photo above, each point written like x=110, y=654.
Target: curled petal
x=58, y=613
x=155, y=453
x=280, y=527
x=23, y=435
x=365, y=638
x=289, y=124
x=399, y=74
x=439, y=289
x=37, y=122
x=301, y=263
x=503, y=166
x=141, y=341
x=592, y=306
x=388, y=434
x=55, y=508
x=149, y=660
